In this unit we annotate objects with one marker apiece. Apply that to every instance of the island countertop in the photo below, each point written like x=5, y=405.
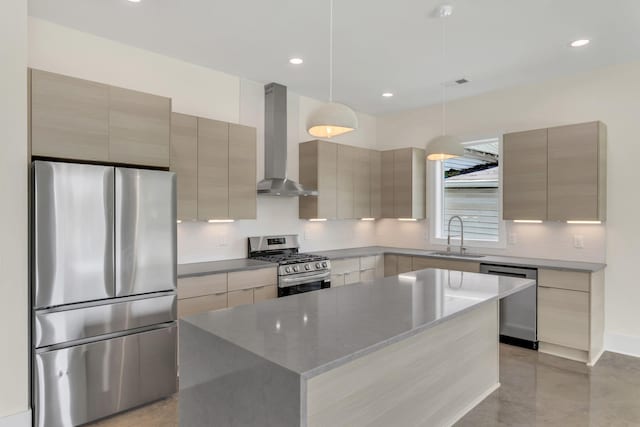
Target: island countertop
x=317, y=331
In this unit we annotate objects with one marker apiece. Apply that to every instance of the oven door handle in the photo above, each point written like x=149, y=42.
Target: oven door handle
x=285, y=282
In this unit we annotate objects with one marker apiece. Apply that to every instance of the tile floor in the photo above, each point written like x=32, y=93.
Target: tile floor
x=537, y=390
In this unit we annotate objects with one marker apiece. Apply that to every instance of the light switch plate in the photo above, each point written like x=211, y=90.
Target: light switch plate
x=578, y=241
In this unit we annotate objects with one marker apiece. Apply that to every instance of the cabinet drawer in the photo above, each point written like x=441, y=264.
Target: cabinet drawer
x=366, y=275
x=190, y=287
x=189, y=306
x=252, y=278
x=570, y=280
x=368, y=262
x=563, y=317
x=421, y=263
x=337, y=280
x=241, y=297
x=264, y=293
x=352, y=277
x=341, y=266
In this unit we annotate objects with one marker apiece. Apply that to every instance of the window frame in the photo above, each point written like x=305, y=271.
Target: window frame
x=435, y=186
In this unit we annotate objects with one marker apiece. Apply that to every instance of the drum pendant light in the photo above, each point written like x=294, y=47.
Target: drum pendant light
x=444, y=146
x=331, y=119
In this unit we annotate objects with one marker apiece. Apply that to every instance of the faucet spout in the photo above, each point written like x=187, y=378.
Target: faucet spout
x=462, y=249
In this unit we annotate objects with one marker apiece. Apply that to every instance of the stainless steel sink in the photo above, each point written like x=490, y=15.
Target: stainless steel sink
x=458, y=255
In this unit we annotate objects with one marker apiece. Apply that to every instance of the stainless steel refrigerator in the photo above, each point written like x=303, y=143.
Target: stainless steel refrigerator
x=104, y=280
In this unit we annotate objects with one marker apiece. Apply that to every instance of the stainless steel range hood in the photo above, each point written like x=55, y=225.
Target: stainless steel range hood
x=275, y=147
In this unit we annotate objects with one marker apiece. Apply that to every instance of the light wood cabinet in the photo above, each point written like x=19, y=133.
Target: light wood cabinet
x=139, y=128
x=352, y=277
x=345, y=182
x=242, y=172
x=213, y=169
x=375, y=190
x=252, y=278
x=361, y=183
x=190, y=287
x=396, y=264
x=576, y=168
x=421, y=263
x=337, y=280
x=524, y=164
x=263, y=293
x=403, y=183
x=555, y=174
x=184, y=162
x=189, y=306
x=571, y=314
x=241, y=297
x=69, y=117
x=319, y=171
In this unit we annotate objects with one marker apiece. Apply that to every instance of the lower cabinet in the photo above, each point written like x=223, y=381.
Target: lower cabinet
x=571, y=314
x=397, y=264
x=421, y=263
x=216, y=291
x=355, y=270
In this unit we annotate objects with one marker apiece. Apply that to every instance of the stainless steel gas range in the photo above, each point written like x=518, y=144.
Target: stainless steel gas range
x=297, y=272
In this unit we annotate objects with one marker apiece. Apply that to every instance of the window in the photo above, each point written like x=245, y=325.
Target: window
x=469, y=187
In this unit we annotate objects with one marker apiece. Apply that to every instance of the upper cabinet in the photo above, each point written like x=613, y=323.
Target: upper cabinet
x=404, y=183
x=215, y=164
x=81, y=120
x=556, y=174
x=319, y=171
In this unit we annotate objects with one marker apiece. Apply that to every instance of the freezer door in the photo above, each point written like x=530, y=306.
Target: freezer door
x=76, y=385
x=145, y=231
x=73, y=233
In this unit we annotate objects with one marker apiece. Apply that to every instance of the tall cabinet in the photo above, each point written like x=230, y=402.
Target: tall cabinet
x=404, y=183
x=215, y=163
x=556, y=174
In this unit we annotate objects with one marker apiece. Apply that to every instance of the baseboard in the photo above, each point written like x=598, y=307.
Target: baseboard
x=562, y=351
x=21, y=419
x=623, y=344
x=473, y=404
x=592, y=362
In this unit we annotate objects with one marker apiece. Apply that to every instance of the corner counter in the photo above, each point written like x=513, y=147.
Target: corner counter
x=338, y=356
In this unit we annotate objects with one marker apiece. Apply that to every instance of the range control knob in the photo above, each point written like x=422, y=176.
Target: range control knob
x=295, y=268
x=307, y=267
x=324, y=264
x=287, y=270
x=318, y=265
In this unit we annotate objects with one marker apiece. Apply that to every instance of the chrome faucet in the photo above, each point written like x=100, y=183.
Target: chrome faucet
x=462, y=248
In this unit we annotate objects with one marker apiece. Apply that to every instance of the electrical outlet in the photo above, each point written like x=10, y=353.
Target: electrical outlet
x=513, y=238
x=578, y=241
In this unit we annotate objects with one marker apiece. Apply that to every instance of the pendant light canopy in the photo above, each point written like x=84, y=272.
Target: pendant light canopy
x=331, y=119
x=444, y=146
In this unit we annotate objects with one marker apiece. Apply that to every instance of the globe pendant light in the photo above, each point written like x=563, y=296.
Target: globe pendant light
x=331, y=119
x=444, y=146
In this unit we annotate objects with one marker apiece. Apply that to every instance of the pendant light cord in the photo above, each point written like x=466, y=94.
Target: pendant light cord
x=444, y=76
x=330, y=50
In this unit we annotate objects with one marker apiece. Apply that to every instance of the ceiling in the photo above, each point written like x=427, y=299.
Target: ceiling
x=380, y=45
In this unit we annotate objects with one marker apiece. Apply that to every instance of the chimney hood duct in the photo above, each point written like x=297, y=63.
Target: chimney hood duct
x=275, y=147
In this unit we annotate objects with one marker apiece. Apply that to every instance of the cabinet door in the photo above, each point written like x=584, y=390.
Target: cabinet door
x=573, y=172
x=404, y=264
x=375, y=173
x=241, y=297
x=402, y=183
x=337, y=280
x=263, y=293
x=361, y=183
x=252, y=278
x=184, y=162
x=189, y=306
x=346, y=158
x=563, y=317
x=242, y=172
x=190, y=287
x=213, y=169
x=524, y=163
x=352, y=277
x=139, y=128
x=390, y=265
x=69, y=117
x=387, y=176
x=418, y=183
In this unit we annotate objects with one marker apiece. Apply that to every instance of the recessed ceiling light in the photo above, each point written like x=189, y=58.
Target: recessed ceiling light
x=387, y=94
x=296, y=61
x=134, y=1
x=580, y=42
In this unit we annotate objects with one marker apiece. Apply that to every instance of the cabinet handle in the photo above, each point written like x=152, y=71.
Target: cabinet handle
x=260, y=287
x=219, y=293
x=246, y=290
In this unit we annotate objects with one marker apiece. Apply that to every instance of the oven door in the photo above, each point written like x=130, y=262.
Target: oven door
x=300, y=283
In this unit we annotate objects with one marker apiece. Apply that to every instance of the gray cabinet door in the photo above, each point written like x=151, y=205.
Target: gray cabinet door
x=145, y=231
x=184, y=162
x=387, y=188
x=524, y=165
x=73, y=220
x=375, y=173
x=361, y=183
x=69, y=117
x=213, y=169
x=242, y=172
x=345, y=181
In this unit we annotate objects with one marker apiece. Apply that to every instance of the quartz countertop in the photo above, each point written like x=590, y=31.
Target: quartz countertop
x=313, y=332
x=488, y=259
x=225, y=266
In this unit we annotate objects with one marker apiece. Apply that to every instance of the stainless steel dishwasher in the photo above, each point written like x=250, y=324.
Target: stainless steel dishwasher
x=518, y=312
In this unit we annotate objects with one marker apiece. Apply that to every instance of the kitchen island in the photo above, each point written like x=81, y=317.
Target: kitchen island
x=419, y=348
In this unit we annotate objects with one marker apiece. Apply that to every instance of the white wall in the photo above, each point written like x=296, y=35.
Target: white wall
x=612, y=95
x=207, y=93
x=13, y=217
